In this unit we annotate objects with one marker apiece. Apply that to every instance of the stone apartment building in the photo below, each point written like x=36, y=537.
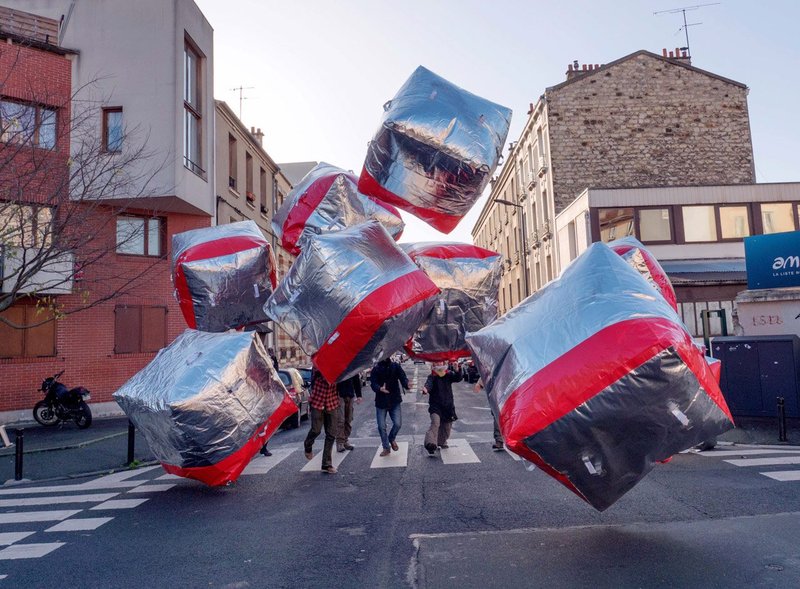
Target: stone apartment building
x=158, y=98
x=250, y=185
x=642, y=120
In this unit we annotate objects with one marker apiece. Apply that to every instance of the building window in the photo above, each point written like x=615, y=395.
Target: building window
x=699, y=223
x=139, y=329
x=31, y=342
x=248, y=179
x=27, y=124
x=262, y=180
x=615, y=223
x=735, y=222
x=26, y=225
x=777, y=217
x=233, y=162
x=112, y=129
x=654, y=225
x=140, y=236
x=192, y=108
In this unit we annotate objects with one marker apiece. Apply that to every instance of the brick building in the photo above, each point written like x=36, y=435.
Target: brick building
x=642, y=120
x=158, y=100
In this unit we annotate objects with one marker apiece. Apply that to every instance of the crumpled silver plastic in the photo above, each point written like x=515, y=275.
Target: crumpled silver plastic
x=596, y=379
x=223, y=275
x=351, y=299
x=643, y=261
x=435, y=150
x=203, y=397
x=469, y=280
x=326, y=200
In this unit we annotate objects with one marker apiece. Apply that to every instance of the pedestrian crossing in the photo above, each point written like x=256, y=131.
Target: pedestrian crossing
x=761, y=457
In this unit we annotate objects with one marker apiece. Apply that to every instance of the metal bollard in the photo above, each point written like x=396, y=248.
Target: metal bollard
x=782, y=420
x=131, y=441
x=19, y=434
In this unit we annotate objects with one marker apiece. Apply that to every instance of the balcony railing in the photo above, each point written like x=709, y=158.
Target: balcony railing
x=542, y=168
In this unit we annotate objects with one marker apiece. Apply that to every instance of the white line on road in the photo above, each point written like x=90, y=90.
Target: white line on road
x=459, y=452
x=17, y=551
x=169, y=477
x=783, y=475
x=315, y=464
x=120, y=504
x=397, y=459
x=83, y=524
x=25, y=517
x=28, y=501
x=8, y=538
x=765, y=461
x=263, y=464
x=726, y=453
x=152, y=488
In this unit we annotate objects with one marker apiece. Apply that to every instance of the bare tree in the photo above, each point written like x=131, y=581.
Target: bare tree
x=64, y=181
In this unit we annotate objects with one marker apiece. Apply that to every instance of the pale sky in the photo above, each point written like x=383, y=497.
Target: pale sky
x=321, y=70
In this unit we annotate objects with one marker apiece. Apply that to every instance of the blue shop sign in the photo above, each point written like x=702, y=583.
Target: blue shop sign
x=773, y=261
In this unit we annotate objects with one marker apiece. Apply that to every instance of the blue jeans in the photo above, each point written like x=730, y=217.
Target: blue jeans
x=397, y=421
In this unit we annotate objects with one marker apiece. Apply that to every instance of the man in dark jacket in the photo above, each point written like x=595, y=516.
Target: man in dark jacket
x=348, y=390
x=441, y=405
x=386, y=379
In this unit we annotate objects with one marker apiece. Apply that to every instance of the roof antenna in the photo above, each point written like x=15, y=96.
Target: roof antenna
x=241, y=90
x=686, y=25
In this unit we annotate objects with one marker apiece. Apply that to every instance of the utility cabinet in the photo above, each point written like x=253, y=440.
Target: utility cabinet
x=756, y=370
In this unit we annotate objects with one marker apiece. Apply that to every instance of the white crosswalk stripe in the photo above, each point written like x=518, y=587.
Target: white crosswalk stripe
x=315, y=464
x=459, y=452
x=398, y=458
x=759, y=457
x=82, y=524
x=16, y=551
x=263, y=464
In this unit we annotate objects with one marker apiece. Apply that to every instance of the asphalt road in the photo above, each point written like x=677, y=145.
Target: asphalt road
x=488, y=521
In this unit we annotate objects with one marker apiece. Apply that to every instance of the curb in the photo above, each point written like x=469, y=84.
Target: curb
x=68, y=477
x=4, y=451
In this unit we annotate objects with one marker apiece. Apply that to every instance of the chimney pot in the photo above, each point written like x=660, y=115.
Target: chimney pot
x=596, y=66
x=584, y=67
x=569, y=67
x=670, y=54
x=677, y=52
x=664, y=52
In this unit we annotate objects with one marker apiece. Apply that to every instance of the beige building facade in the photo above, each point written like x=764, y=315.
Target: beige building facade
x=642, y=120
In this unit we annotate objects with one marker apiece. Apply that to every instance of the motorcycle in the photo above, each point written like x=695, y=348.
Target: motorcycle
x=62, y=404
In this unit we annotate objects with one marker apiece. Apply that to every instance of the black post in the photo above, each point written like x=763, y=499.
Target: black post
x=18, y=456
x=782, y=420
x=131, y=441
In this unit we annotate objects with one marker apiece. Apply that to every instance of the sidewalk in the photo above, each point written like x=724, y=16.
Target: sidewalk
x=64, y=451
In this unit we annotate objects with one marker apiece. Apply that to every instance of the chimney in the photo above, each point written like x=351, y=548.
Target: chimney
x=258, y=135
x=574, y=69
x=680, y=55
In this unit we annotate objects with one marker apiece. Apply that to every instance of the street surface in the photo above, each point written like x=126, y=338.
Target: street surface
x=467, y=517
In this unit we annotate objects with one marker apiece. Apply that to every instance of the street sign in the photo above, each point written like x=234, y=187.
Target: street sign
x=773, y=261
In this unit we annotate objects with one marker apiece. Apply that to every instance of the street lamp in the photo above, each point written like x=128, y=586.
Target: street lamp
x=524, y=241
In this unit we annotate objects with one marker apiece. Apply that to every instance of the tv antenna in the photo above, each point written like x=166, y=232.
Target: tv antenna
x=686, y=25
x=242, y=97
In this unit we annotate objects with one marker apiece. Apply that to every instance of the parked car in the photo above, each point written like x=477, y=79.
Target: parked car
x=305, y=372
x=293, y=381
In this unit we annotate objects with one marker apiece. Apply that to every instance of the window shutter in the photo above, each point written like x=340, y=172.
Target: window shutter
x=127, y=330
x=40, y=340
x=11, y=339
x=154, y=328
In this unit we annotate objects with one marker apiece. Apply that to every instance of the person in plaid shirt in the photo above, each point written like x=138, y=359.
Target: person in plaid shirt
x=324, y=401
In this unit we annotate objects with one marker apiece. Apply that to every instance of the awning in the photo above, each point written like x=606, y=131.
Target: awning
x=705, y=272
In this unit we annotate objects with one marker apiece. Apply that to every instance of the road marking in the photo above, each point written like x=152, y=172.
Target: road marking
x=169, y=477
x=25, y=517
x=726, y=453
x=113, y=481
x=459, y=452
x=482, y=408
x=263, y=464
x=397, y=459
x=315, y=464
x=118, y=477
x=8, y=538
x=516, y=457
x=83, y=524
x=151, y=488
x=28, y=501
x=120, y=504
x=765, y=461
x=783, y=475
x=17, y=551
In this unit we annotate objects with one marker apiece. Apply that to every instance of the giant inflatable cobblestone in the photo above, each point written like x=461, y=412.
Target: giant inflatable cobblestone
x=435, y=150
x=595, y=378
x=207, y=403
x=469, y=279
x=351, y=298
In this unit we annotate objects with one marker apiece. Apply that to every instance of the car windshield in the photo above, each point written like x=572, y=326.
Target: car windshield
x=305, y=373
x=285, y=378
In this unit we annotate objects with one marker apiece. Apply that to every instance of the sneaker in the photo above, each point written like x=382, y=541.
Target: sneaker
x=385, y=452
x=498, y=445
x=340, y=448
x=395, y=447
x=444, y=446
x=431, y=448
x=348, y=446
x=329, y=470
x=265, y=452
x=309, y=455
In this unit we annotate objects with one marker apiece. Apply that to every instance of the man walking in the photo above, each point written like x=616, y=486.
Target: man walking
x=324, y=401
x=348, y=390
x=441, y=405
x=386, y=379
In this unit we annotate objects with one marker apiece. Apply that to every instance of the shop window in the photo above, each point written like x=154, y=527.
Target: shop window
x=31, y=342
x=139, y=329
x=699, y=223
x=777, y=217
x=654, y=225
x=615, y=223
x=734, y=222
